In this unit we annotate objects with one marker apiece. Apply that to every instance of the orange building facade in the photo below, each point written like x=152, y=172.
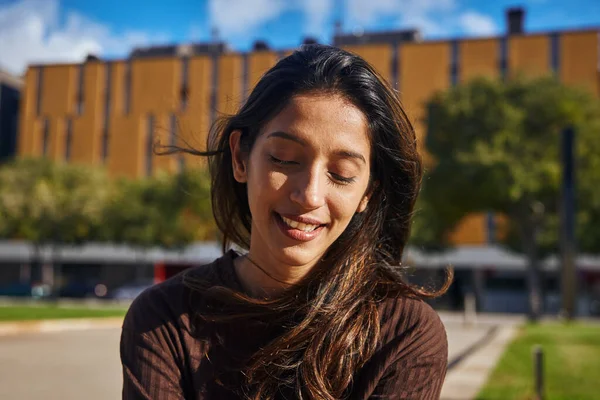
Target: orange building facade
x=111, y=112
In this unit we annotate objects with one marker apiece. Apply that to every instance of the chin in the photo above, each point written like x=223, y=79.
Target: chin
x=298, y=255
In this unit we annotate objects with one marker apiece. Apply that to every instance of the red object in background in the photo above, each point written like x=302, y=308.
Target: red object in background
x=163, y=271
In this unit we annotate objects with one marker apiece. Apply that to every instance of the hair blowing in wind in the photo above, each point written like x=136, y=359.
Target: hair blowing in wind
x=330, y=317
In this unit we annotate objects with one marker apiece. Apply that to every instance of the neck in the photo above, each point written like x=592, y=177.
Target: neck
x=267, y=278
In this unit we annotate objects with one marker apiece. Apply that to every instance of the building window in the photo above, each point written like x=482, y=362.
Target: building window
x=80, y=86
x=105, y=144
x=454, y=62
x=395, y=67
x=106, y=122
x=245, y=77
x=503, y=58
x=149, y=143
x=184, y=95
x=40, y=85
x=173, y=130
x=213, y=89
x=127, y=88
x=491, y=227
x=181, y=163
x=68, y=138
x=555, y=53
x=45, y=137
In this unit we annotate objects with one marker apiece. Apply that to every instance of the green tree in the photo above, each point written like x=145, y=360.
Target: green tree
x=427, y=231
x=21, y=183
x=496, y=147
x=51, y=204
x=45, y=202
x=165, y=210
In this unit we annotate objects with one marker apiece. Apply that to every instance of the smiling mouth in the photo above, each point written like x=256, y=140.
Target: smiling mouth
x=305, y=231
x=299, y=225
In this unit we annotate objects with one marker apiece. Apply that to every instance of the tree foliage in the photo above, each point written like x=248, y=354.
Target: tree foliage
x=496, y=147
x=44, y=202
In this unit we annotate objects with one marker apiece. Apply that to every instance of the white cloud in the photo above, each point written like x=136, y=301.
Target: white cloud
x=239, y=17
x=475, y=23
x=426, y=15
x=317, y=14
x=31, y=32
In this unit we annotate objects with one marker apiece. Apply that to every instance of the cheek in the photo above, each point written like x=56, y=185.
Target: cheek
x=264, y=186
x=343, y=205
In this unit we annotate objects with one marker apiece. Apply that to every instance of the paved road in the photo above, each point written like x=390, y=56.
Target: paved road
x=61, y=365
x=85, y=364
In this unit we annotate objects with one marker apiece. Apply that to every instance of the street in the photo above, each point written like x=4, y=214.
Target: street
x=61, y=365
x=85, y=364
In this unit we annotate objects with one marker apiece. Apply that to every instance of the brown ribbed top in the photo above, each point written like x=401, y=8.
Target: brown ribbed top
x=167, y=353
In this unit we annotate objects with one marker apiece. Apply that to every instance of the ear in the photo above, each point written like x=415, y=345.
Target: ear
x=362, y=206
x=238, y=158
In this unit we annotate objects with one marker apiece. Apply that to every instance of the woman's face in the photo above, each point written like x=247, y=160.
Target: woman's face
x=307, y=175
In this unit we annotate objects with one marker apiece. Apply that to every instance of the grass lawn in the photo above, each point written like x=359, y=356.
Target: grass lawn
x=572, y=364
x=36, y=312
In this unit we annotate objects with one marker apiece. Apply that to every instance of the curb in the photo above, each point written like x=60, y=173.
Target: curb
x=467, y=376
x=59, y=325
x=473, y=348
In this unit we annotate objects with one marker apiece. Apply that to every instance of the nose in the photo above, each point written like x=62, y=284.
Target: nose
x=308, y=189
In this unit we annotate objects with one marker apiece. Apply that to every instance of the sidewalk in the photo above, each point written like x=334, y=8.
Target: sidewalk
x=58, y=325
x=474, y=349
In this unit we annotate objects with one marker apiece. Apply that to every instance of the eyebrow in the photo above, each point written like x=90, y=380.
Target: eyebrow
x=351, y=154
x=293, y=138
x=287, y=136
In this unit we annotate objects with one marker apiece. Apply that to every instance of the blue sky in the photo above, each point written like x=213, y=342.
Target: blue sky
x=34, y=31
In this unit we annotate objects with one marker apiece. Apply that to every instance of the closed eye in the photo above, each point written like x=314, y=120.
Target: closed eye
x=281, y=162
x=342, y=179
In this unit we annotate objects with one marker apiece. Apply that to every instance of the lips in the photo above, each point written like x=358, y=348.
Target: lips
x=299, y=225
x=299, y=228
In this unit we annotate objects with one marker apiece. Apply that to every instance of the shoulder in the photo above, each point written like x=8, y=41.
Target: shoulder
x=158, y=349
x=168, y=303
x=411, y=359
x=413, y=329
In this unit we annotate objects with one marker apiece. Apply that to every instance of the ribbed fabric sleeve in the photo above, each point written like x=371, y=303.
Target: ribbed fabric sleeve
x=166, y=356
x=412, y=361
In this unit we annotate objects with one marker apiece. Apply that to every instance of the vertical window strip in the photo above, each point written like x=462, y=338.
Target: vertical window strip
x=503, y=57
x=45, y=136
x=80, y=88
x=127, y=88
x=245, y=77
x=555, y=53
x=184, y=94
x=491, y=227
x=106, y=122
x=214, y=85
x=181, y=163
x=149, y=143
x=40, y=85
x=598, y=52
x=68, y=138
x=395, y=68
x=454, y=62
x=173, y=130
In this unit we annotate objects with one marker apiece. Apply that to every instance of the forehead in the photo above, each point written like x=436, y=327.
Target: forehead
x=324, y=120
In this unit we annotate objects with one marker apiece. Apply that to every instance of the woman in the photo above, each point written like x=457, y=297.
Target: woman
x=316, y=176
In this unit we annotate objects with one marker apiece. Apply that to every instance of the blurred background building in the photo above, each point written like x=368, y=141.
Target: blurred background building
x=111, y=112
x=10, y=91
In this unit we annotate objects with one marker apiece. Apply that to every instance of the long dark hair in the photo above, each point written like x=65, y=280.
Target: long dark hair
x=339, y=326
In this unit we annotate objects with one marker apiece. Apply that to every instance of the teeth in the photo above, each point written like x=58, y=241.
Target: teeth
x=298, y=225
